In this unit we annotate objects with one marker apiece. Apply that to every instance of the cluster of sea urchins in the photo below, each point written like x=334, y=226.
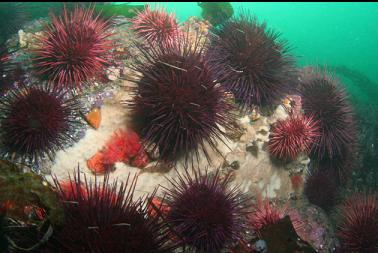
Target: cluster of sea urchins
x=358, y=226
x=324, y=98
x=74, y=48
x=251, y=62
x=177, y=105
x=292, y=136
x=105, y=217
x=205, y=212
x=36, y=121
x=156, y=27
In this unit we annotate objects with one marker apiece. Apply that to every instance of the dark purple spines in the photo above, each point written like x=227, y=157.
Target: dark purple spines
x=321, y=189
x=104, y=217
x=205, y=212
x=250, y=61
x=177, y=107
x=36, y=121
x=326, y=100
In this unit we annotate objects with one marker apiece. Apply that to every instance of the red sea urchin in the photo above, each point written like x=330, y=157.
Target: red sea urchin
x=264, y=214
x=358, y=228
x=74, y=48
x=205, y=212
x=250, y=62
x=155, y=26
x=36, y=121
x=292, y=136
x=177, y=106
x=323, y=98
x=104, y=218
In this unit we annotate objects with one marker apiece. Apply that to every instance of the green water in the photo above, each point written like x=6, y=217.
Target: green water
x=330, y=34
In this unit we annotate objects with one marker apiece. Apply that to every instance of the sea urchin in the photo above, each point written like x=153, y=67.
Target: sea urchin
x=104, y=218
x=358, y=228
x=177, y=106
x=36, y=121
x=205, y=212
x=250, y=61
x=155, y=26
x=74, y=48
x=323, y=98
x=292, y=136
x=321, y=189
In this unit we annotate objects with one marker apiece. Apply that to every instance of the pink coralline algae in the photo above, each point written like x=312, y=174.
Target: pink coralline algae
x=124, y=146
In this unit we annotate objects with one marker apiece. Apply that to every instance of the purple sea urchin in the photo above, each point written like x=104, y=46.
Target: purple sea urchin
x=177, y=106
x=155, y=26
x=36, y=121
x=74, y=48
x=321, y=189
x=250, y=61
x=205, y=212
x=104, y=218
x=323, y=98
x=358, y=228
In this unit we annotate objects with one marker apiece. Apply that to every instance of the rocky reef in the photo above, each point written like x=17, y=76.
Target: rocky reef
x=174, y=124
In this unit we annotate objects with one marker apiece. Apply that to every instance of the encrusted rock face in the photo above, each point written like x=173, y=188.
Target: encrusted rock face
x=258, y=172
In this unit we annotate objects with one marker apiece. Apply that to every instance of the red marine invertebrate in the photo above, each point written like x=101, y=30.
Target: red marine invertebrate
x=251, y=62
x=155, y=26
x=321, y=189
x=323, y=97
x=36, y=121
x=205, y=212
x=124, y=146
x=105, y=218
x=358, y=228
x=265, y=214
x=74, y=48
x=177, y=106
x=292, y=136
